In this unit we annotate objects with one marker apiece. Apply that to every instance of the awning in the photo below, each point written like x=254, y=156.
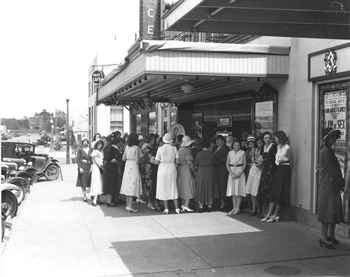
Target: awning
x=177, y=72
x=286, y=18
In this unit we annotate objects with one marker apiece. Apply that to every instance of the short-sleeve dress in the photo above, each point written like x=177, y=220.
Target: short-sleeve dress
x=236, y=186
x=255, y=171
x=96, y=176
x=167, y=174
x=204, y=162
x=185, y=179
x=131, y=184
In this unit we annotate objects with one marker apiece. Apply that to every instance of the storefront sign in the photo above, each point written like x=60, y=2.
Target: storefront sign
x=150, y=13
x=225, y=122
x=335, y=111
x=97, y=76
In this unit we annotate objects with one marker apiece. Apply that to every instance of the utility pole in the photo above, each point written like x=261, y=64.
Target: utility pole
x=67, y=135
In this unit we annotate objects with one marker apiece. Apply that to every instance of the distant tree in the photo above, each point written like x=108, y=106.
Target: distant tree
x=60, y=119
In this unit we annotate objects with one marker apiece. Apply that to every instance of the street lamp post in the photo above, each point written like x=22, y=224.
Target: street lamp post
x=52, y=133
x=67, y=135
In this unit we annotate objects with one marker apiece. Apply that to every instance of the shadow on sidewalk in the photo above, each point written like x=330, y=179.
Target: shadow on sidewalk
x=280, y=242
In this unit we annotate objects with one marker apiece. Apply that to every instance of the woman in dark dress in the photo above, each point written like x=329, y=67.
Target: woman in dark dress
x=112, y=169
x=331, y=183
x=220, y=171
x=268, y=169
x=154, y=204
x=281, y=178
x=84, y=167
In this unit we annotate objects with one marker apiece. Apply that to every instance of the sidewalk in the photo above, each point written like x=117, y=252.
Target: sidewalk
x=56, y=234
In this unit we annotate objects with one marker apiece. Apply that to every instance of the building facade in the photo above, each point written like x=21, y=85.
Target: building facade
x=41, y=121
x=299, y=84
x=104, y=119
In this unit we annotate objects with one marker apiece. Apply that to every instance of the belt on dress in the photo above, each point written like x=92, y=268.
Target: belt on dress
x=236, y=165
x=284, y=163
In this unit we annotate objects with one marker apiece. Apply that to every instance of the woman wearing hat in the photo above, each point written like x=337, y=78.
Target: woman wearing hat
x=84, y=167
x=254, y=173
x=96, y=171
x=185, y=179
x=131, y=184
x=331, y=183
x=112, y=172
x=167, y=176
x=146, y=174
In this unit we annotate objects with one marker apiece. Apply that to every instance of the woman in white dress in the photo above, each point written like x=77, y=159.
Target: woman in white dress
x=132, y=183
x=96, y=171
x=167, y=175
x=254, y=176
x=235, y=164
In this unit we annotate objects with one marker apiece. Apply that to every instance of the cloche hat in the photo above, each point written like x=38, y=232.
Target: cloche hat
x=331, y=133
x=186, y=141
x=167, y=138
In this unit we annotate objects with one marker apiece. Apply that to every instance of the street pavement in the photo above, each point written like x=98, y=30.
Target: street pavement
x=57, y=234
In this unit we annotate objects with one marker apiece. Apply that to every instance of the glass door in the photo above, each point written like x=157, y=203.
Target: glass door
x=334, y=113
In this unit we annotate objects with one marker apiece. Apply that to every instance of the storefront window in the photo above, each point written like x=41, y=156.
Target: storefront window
x=173, y=115
x=138, y=123
x=334, y=113
x=264, y=117
x=152, y=128
x=334, y=116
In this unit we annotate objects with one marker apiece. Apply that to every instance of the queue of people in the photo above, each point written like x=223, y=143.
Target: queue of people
x=186, y=174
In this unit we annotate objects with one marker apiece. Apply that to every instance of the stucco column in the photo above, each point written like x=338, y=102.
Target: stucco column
x=132, y=121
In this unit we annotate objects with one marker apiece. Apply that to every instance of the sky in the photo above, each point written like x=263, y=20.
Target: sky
x=47, y=46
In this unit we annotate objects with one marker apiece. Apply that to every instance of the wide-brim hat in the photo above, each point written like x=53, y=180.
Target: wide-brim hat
x=331, y=133
x=186, y=141
x=251, y=139
x=167, y=138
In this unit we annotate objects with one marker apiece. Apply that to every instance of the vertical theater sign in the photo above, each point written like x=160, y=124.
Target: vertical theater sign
x=150, y=13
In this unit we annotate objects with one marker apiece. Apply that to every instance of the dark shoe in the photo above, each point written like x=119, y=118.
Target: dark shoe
x=333, y=240
x=326, y=244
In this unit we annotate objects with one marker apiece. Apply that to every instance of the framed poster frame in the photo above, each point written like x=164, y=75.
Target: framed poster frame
x=323, y=90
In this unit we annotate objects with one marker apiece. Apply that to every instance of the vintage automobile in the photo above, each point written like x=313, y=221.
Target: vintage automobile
x=23, y=154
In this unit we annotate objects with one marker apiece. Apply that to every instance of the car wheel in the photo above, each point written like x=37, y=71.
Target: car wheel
x=52, y=172
x=9, y=203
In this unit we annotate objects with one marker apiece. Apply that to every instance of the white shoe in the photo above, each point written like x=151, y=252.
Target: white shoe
x=266, y=218
x=231, y=212
x=131, y=210
x=139, y=200
x=150, y=206
x=186, y=209
x=178, y=211
x=166, y=211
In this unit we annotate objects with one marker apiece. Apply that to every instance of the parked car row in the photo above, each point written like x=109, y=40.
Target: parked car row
x=21, y=167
